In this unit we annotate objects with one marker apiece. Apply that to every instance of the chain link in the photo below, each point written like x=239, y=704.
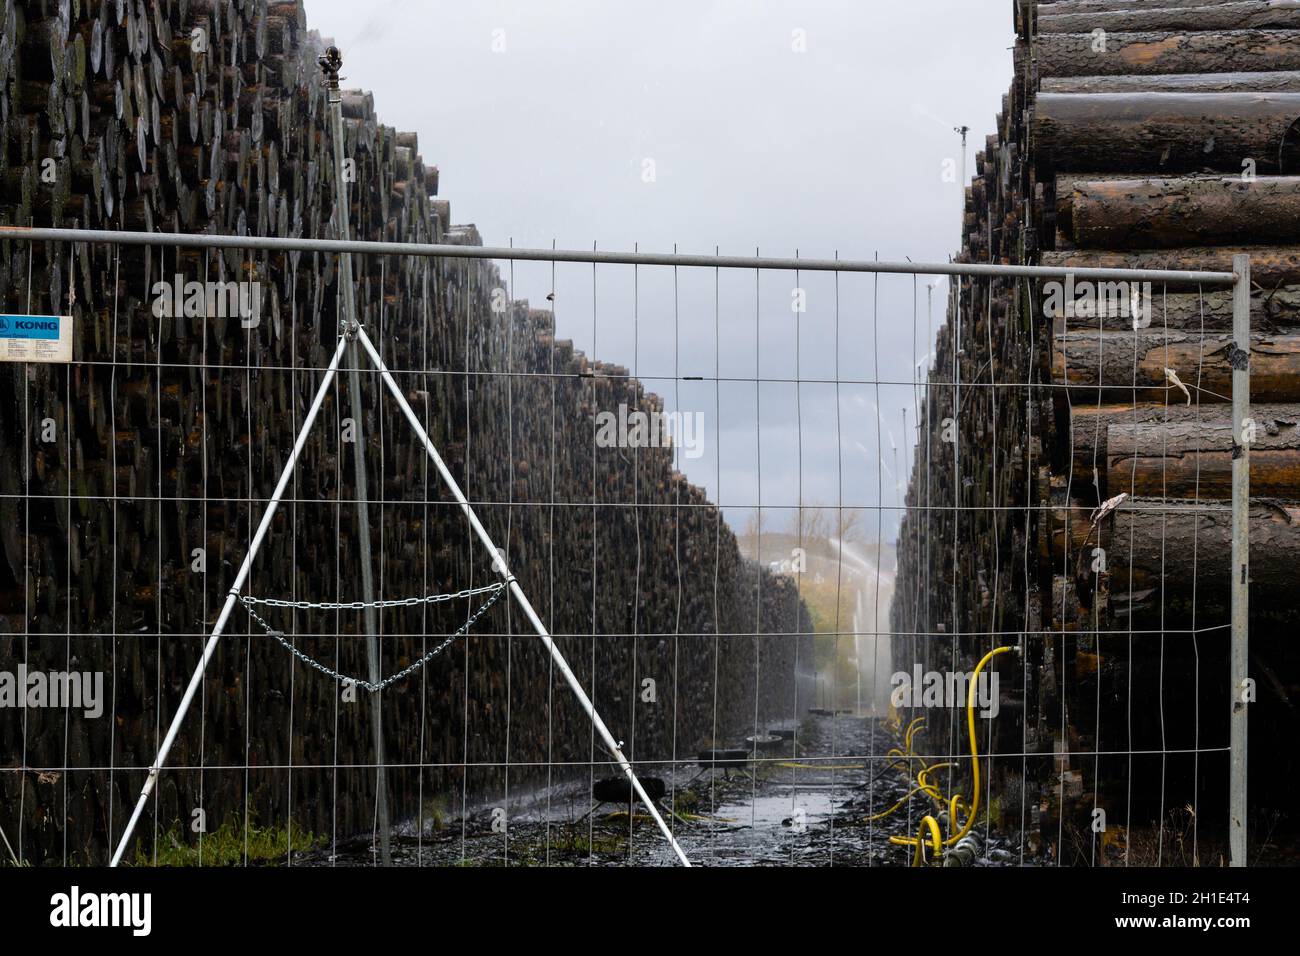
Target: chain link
x=496, y=591
x=362, y=605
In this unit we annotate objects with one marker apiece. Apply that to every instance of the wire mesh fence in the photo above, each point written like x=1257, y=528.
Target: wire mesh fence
x=774, y=548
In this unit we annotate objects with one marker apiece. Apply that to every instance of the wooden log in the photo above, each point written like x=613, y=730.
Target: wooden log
x=1132, y=365
x=1281, y=81
x=1091, y=424
x=1063, y=189
x=1167, y=213
x=44, y=48
x=1240, y=15
x=1156, y=549
x=1208, y=309
x=1193, y=459
x=1057, y=7
x=1083, y=54
x=1270, y=266
x=1167, y=132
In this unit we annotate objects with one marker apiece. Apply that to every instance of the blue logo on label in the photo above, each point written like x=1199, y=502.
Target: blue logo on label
x=29, y=326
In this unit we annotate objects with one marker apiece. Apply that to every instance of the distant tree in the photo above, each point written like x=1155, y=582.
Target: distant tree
x=819, y=523
x=811, y=523
x=852, y=524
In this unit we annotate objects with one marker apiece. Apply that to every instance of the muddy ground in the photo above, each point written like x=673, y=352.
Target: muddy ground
x=804, y=803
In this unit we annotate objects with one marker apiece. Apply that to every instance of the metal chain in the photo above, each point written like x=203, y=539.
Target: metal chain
x=361, y=605
x=497, y=590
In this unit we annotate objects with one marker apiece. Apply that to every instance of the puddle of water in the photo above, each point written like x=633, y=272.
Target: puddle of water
x=766, y=812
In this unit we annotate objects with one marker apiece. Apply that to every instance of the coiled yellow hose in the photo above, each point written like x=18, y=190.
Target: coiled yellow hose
x=929, y=822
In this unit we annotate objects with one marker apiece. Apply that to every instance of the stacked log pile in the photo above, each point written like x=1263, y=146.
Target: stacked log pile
x=1137, y=133
x=121, y=528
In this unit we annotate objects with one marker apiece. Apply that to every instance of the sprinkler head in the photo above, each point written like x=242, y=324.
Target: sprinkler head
x=331, y=61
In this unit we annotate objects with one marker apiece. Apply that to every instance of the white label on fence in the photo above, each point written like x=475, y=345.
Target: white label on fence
x=35, y=338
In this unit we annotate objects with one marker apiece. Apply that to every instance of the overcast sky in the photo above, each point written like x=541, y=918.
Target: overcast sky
x=808, y=127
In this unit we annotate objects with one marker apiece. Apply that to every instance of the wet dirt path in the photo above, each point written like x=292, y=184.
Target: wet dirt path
x=804, y=802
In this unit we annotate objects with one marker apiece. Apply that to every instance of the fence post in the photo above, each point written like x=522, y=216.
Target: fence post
x=1241, y=438
x=330, y=64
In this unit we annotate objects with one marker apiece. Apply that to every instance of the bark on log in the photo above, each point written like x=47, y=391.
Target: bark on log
x=1167, y=213
x=1240, y=15
x=1281, y=81
x=1056, y=7
x=1133, y=365
x=1156, y=548
x=1205, y=555
x=1083, y=54
x=1063, y=189
x=1091, y=426
x=1167, y=132
x=1270, y=266
x=1210, y=309
x=1193, y=460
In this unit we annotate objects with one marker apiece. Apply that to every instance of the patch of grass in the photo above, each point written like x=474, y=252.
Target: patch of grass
x=228, y=845
x=434, y=815
x=582, y=843
x=686, y=801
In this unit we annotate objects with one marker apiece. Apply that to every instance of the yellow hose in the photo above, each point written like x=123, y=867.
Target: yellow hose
x=925, y=771
x=954, y=805
x=922, y=778
x=911, y=793
x=907, y=737
x=919, y=858
x=902, y=758
x=907, y=753
x=917, y=841
x=898, y=759
x=922, y=784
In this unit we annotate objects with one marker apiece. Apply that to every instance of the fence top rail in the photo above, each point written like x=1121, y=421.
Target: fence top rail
x=592, y=256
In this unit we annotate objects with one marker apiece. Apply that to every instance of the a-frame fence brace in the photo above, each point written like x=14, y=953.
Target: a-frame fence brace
x=353, y=332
